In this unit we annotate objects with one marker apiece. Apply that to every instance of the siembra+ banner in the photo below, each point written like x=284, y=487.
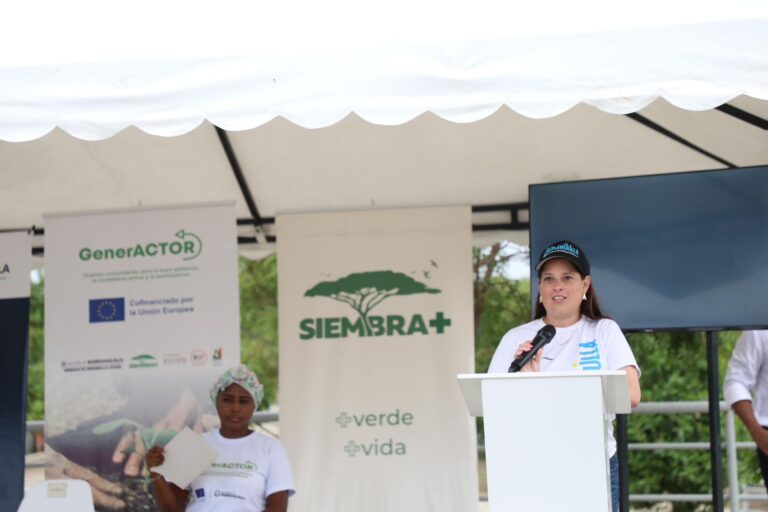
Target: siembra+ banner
x=139, y=322
x=374, y=326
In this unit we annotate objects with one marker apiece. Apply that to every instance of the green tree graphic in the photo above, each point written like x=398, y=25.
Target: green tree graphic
x=363, y=291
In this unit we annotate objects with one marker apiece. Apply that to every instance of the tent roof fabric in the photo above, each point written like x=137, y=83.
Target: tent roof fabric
x=358, y=165
x=169, y=68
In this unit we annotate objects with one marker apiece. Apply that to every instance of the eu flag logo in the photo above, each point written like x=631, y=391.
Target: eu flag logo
x=107, y=310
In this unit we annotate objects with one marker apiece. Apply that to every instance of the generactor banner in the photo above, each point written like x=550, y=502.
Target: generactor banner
x=142, y=314
x=375, y=322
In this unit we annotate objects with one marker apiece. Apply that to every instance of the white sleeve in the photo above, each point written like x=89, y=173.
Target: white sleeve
x=279, y=477
x=505, y=353
x=743, y=368
x=618, y=353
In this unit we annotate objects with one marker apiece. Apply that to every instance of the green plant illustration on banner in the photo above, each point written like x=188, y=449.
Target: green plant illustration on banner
x=363, y=291
x=148, y=435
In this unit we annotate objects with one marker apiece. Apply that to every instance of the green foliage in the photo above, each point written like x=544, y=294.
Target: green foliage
x=36, y=366
x=149, y=436
x=674, y=368
x=507, y=304
x=500, y=303
x=258, y=322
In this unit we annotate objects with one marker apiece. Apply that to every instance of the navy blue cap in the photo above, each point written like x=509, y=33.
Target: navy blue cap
x=566, y=250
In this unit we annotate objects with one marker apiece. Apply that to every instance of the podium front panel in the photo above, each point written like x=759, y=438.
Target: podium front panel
x=545, y=444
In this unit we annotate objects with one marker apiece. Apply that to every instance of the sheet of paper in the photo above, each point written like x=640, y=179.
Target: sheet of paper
x=186, y=456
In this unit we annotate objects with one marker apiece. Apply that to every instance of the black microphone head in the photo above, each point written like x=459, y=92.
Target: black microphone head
x=548, y=332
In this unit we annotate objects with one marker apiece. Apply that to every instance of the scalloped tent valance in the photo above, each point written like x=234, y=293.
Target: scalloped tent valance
x=165, y=67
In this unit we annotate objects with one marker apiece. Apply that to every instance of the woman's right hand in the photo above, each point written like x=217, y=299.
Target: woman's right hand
x=168, y=496
x=534, y=365
x=155, y=457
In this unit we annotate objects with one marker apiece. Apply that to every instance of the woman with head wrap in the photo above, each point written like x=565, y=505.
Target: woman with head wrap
x=252, y=470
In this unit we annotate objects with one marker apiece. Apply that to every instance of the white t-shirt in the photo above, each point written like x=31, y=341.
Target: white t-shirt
x=584, y=346
x=748, y=373
x=247, y=471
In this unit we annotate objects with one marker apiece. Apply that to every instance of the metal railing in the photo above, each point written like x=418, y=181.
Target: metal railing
x=730, y=445
x=38, y=427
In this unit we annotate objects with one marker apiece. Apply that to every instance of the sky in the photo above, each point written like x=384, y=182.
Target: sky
x=518, y=269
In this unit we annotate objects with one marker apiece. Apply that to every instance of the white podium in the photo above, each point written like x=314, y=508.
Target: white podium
x=545, y=437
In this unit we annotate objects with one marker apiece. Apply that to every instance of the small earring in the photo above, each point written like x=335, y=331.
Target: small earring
x=584, y=297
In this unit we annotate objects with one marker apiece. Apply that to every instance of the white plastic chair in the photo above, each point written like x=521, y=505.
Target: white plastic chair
x=58, y=496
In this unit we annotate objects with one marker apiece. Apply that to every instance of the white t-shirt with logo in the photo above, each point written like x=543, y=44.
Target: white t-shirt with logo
x=587, y=345
x=247, y=471
x=748, y=373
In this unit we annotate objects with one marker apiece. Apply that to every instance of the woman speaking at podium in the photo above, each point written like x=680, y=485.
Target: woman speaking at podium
x=585, y=339
x=252, y=471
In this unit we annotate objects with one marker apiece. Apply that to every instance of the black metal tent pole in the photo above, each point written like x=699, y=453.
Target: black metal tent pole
x=743, y=115
x=670, y=134
x=715, y=445
x=622, y=450
x=256, y=220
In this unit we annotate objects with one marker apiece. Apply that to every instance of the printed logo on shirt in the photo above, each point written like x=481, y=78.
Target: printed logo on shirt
x=200, y=494
x=240, y=469
x=247, y=465
x=226, y=494
x=589, y=356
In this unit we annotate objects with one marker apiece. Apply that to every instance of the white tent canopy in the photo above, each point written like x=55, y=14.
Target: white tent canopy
x=342, y=104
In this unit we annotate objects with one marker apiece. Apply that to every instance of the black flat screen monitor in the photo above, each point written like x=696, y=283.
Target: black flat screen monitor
x=668, y=251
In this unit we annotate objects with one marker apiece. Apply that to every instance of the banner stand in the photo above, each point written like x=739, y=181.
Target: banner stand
x=375, y=321
x=15, y=266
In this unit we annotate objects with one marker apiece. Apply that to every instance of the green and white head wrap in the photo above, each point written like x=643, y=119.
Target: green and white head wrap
x=243, y=376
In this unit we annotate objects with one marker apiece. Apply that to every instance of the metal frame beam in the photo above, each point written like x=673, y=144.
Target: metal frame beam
x=670, y=134
x=743, y=115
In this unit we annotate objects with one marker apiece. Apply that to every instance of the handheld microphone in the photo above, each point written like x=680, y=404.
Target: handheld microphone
x=542, y=337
